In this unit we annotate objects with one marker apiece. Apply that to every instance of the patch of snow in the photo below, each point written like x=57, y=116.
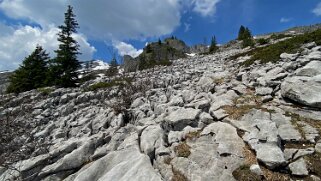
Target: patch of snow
x=4, y=71
x=191, y=54
x=100, y=65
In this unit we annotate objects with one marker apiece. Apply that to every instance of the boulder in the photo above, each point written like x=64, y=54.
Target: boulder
x=151, y=139
x=299, y=168
x=182, y=117
x=256, y=169
x=305, y=87
x=214, y=155
x=270, y=155
x=123, y=165
x=318, y=147
x=263, y=91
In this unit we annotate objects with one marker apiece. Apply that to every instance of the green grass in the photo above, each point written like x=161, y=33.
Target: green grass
x=263, y=41
x=182, y=150
x=105, y=85
x=279, y=36
x=243, y=173
x=45, y=91
x=272, y=53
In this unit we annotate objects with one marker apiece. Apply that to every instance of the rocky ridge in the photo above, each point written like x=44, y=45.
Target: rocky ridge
x=202, y=118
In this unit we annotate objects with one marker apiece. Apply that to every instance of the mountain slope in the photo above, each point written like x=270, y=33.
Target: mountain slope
x=204, y=117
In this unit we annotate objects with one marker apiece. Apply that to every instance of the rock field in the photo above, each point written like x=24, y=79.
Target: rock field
x=203, y=118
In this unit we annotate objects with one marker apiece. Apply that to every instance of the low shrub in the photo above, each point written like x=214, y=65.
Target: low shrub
x=105, y=85
x=279, y=36
x=272, y=52
x=182, y=150
x=245, y=174
x=262, y=41
x=45, y=91
x=248, y=42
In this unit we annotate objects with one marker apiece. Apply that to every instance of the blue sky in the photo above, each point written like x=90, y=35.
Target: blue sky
x=126, y=25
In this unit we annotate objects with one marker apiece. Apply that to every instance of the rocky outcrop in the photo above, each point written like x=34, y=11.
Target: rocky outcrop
x=202, y=118
x=304, y=87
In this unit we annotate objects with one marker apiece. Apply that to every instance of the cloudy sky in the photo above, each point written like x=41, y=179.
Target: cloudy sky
x=126, y=25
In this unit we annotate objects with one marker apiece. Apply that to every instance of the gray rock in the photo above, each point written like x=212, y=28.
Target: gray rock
x=262, y=135
x=206, y=118
x=263, y=91
x=219, y=114
x=206, y=84
x=71, y=161
x=310, y=70
x=288, y=57
x=288, y=133
x=177, y=136
x=271, y=155
x=182, y=117
x=314, y=55
x=240, y=89
x=304, y=89
x=229, y=143
x=138, y=102
x=208, y=155
x=293, y=153
x=299, y=168
x=223, y=100
x=315, y=178
x=318, y=147
x=203, y=104
x=256, y=169
x=128, y=164
x=267, y=98
x=2, y=170
x=311, y=133
x=151, y=139
x=176, y=101
x=188, y=95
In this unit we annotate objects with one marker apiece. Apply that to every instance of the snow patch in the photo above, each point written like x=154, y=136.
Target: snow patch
x=191, y=54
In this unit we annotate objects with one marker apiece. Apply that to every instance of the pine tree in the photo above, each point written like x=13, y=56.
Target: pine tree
x=213, y=46
x=64, y=66
x=31, y=74
x=246, y=36
x=113, y=67
x=241, y=33
x=247, y=33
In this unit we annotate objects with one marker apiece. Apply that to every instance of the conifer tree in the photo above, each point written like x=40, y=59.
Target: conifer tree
x=246, y=36
x=213, y=46
x=241, y=33
x=113, y=67
x=64, y=66
x=31, y=74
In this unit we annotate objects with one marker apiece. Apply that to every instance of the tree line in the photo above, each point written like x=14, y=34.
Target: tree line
x=38, y=70
x=244, y=35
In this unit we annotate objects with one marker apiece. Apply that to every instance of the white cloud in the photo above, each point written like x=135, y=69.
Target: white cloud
x=101, y=19
x=285, y=20
x=205, y=7
x=126, y=49
x=187, y=27
x=17, y=44
x=317, y=10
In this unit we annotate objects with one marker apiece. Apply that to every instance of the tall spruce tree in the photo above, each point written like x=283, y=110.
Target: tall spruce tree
x=246, y=36
x=31, y=74
x=213, y=46
x=241, y=33
x=113, y=67
x=64, y=66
